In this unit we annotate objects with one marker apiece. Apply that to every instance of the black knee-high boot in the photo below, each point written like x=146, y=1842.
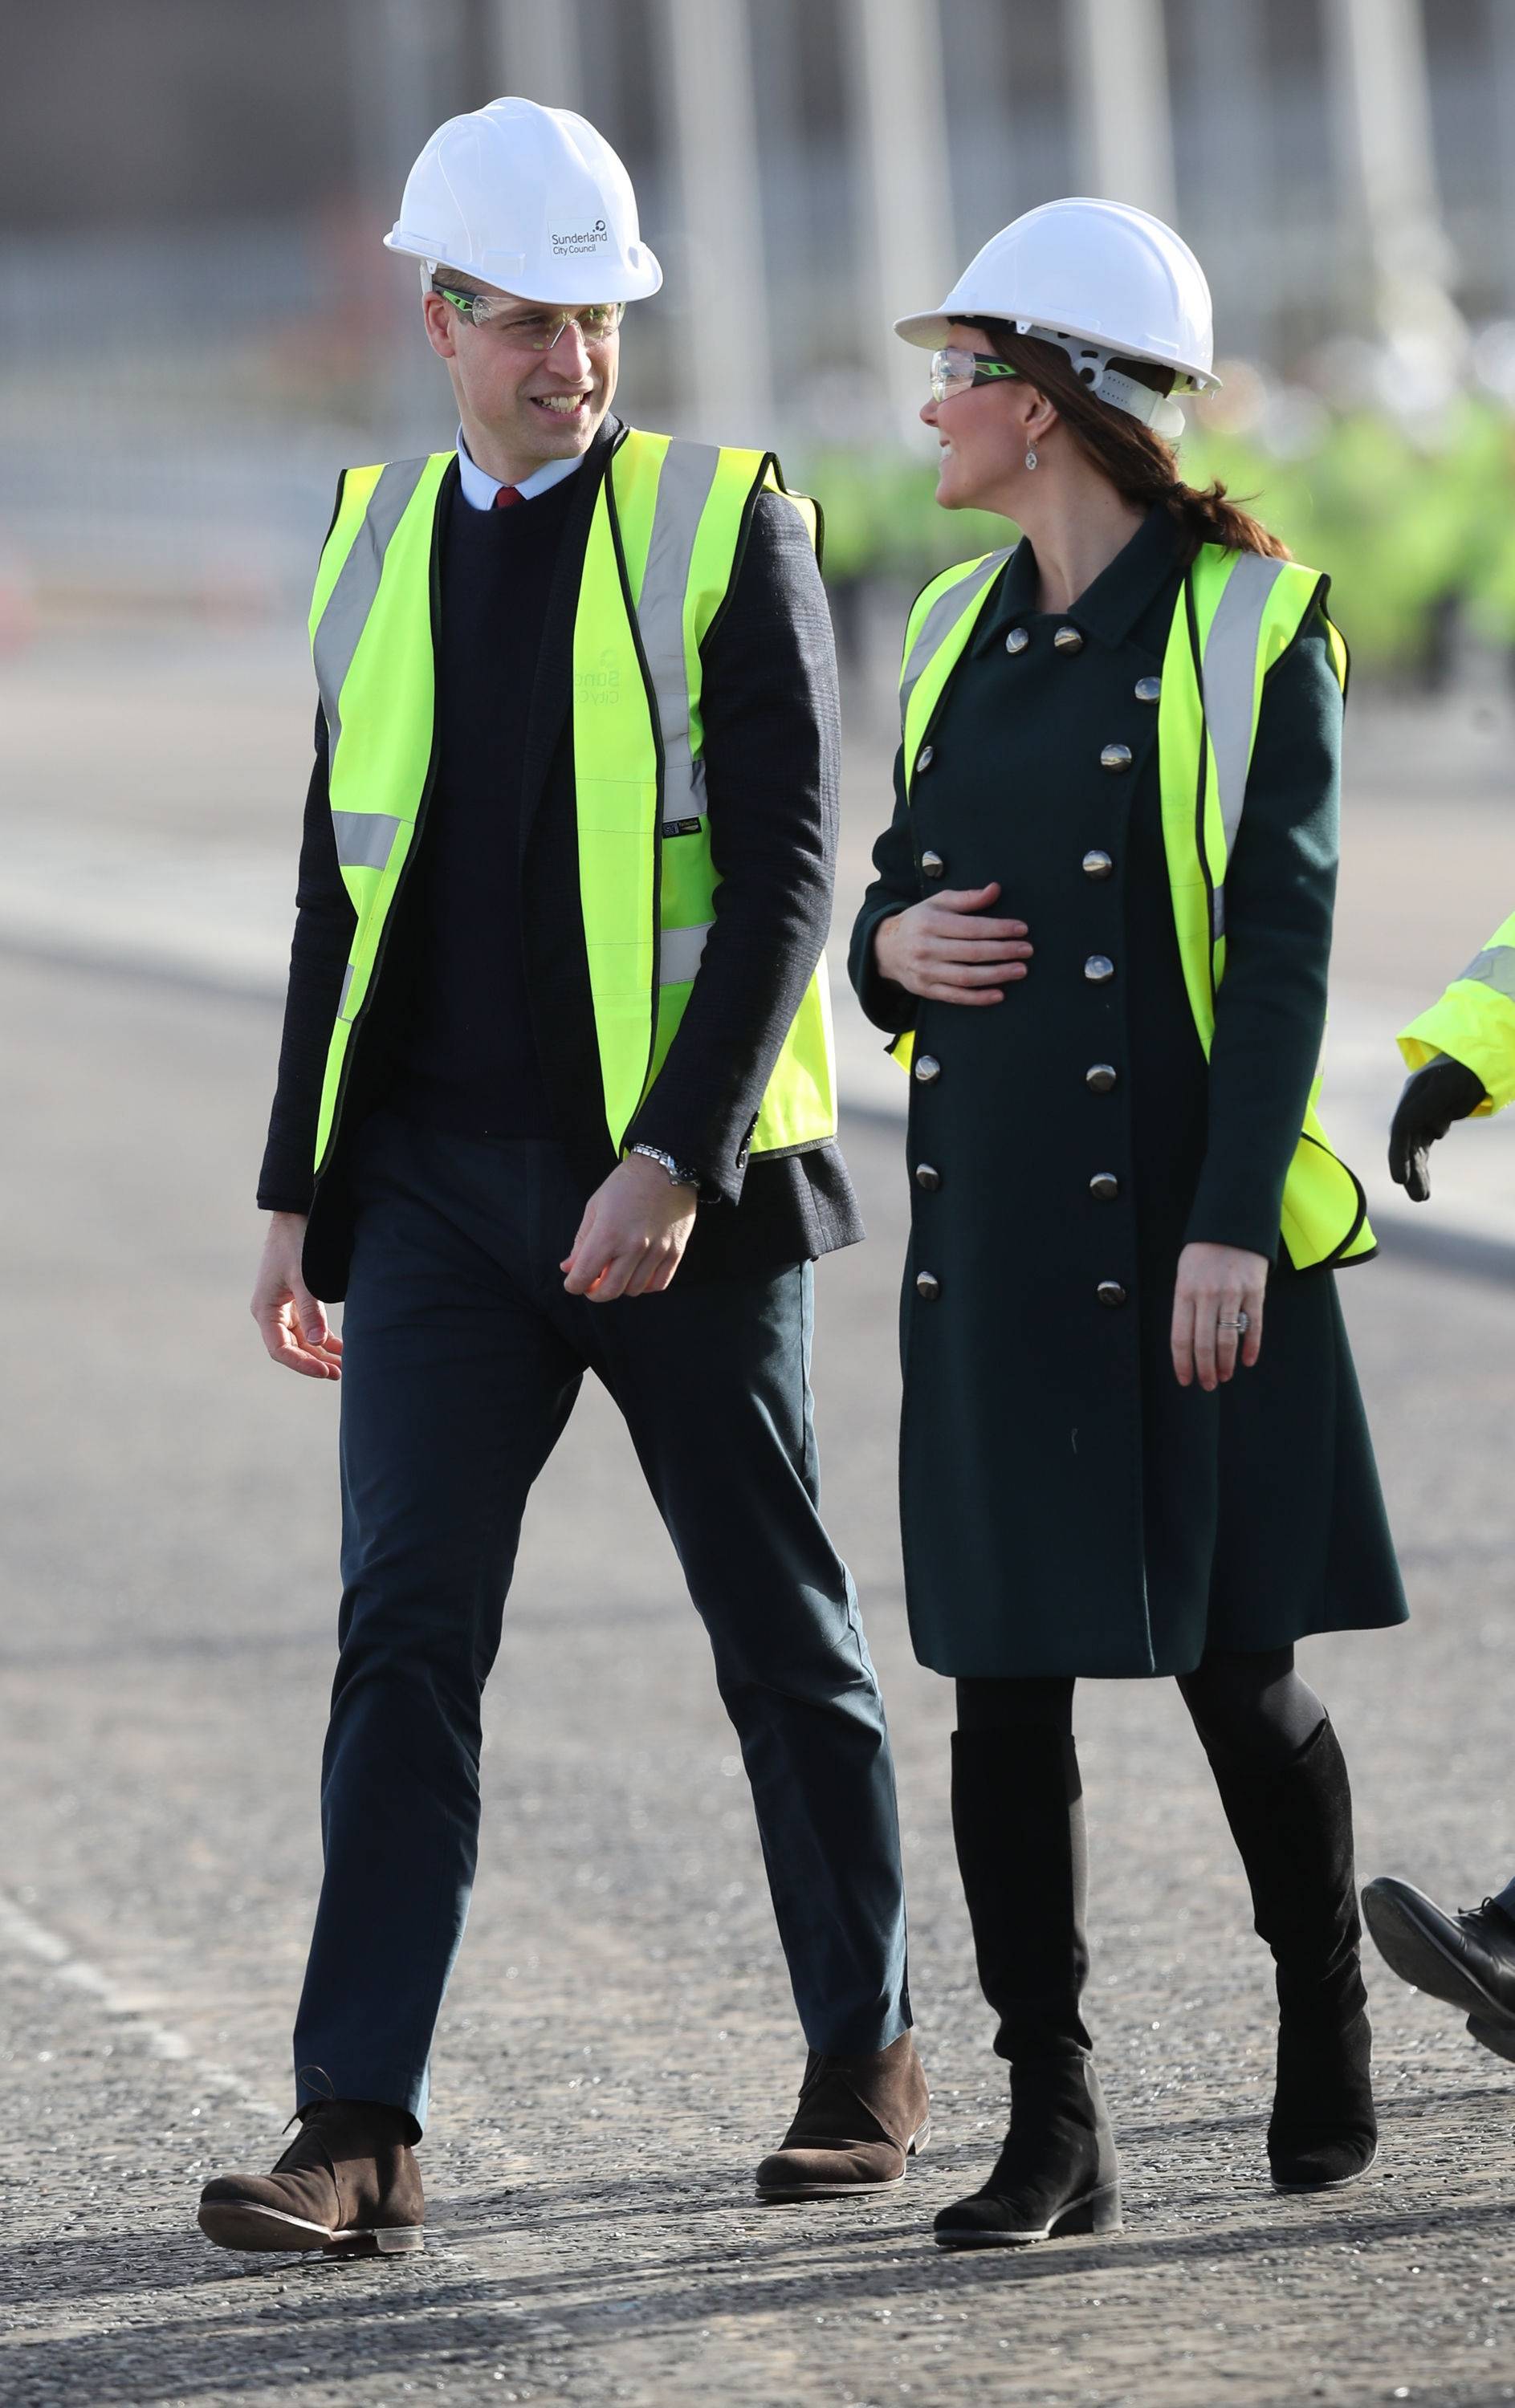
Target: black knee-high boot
x=1292, y=1823
x=1017, y=1815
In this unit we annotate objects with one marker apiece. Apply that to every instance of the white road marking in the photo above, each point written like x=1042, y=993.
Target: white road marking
x=25, y=1934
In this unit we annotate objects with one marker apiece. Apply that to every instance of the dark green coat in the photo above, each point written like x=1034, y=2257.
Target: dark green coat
x=1066, y=1507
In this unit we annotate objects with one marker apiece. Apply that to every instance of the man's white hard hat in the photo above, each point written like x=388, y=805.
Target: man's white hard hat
x=1104, y=281
x=530, y=199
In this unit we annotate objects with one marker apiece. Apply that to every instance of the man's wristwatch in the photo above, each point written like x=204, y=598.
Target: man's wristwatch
x=678, y=1177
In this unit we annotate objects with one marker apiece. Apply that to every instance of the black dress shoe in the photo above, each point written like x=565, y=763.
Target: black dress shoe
x=1467, y=1958
x=1499, y=2037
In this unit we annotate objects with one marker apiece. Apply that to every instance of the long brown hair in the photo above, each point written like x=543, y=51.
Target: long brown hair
x=1138, y=462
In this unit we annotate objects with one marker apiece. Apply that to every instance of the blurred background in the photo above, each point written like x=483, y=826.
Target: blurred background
x=198, y=327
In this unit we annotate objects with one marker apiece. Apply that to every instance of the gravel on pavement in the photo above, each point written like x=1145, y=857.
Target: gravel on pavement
x=619, y=2046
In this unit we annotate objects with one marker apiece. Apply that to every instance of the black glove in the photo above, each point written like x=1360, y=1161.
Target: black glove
x=1445, y=1090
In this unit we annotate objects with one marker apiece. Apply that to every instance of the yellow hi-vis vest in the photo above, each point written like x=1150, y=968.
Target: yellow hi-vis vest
x=1236, y=614
x=1475, y=1022
x=666, y=535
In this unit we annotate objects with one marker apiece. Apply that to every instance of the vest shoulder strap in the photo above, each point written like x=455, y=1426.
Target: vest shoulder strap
x=940, y=622
x=679, y=510
x=1242, y=610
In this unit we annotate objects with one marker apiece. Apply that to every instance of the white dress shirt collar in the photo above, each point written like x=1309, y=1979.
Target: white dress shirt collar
x=480, y=487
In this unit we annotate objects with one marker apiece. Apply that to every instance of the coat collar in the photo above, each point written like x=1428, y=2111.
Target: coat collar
x=1110, y=608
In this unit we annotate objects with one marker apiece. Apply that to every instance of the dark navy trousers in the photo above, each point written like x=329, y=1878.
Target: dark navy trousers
x=462, y=1360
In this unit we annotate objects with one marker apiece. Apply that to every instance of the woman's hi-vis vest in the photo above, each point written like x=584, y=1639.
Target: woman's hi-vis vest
x=663, y=547
x=1236, y=614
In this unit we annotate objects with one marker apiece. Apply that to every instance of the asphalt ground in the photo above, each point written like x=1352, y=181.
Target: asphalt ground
x=619, y=2045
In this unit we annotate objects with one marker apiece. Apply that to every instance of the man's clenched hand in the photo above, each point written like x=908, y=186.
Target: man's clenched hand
x=632, y=1237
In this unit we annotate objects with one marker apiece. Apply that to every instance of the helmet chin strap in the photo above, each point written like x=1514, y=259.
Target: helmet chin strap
x=1154, y=409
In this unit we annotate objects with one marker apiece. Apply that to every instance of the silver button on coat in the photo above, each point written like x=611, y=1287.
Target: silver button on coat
x=1109, y=1292
x=928, y=1286
x=927, y=754
x=1104, y=1186
x=1017, y=640
x=1099, y=969
x=928, y=1176
x=1096, y=865
x=927, y=1068
x=1149, y=689
x=932, y=865
x=1116, y=756
x=1100, y=1078
x=1067, y=639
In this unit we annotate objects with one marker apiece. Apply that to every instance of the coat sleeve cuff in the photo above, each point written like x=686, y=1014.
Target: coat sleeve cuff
x=1251, y=1222
x=1473, y=1028
x=887, y=1005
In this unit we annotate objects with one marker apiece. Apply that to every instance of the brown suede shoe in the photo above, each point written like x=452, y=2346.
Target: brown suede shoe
x=858, y=2120
x=347, y=2184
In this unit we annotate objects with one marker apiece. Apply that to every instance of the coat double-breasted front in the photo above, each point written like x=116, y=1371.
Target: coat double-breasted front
x=1066, y=1507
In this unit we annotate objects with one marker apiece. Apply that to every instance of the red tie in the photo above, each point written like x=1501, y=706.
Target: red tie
x=507, y=497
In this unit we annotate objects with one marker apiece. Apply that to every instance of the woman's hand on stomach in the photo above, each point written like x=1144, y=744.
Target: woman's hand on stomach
x=945, y=950
x=1215, y=1286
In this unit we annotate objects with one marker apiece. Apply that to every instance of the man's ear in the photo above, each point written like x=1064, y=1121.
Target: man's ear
x=438, y=315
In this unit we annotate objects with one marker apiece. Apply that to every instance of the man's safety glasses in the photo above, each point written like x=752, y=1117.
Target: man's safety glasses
x=535, y=330
x=957, y=371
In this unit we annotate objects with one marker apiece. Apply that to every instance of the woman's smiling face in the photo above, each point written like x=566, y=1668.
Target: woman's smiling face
x=982, y=431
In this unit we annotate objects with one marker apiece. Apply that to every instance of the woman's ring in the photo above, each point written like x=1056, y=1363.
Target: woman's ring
x=1242, y=1320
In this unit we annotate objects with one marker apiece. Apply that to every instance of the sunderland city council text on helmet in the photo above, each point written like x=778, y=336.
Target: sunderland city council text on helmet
x=529, y=199
x=1101, y=279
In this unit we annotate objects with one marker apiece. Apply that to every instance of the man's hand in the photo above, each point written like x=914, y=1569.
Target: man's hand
x=1215, y=1286
x=632, y=1237
x=293, y=1322
x=942, y=951
x=1429, y=1101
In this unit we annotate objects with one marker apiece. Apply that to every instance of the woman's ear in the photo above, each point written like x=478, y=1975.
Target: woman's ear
x=1041, y=417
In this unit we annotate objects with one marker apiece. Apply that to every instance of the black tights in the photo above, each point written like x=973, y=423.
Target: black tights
x=1248, y=1709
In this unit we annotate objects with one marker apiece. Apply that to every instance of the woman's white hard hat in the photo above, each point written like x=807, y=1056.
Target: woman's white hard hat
x=1104, y=281
x=530, y=199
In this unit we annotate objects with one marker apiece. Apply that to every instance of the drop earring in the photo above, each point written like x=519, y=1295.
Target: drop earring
x=1030, y=459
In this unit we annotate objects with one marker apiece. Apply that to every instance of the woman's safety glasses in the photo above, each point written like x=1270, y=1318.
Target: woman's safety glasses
x=535, y=330
x=957, y=371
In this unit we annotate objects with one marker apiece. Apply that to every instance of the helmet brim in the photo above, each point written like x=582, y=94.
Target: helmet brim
x=929, y=329
x=573, y=282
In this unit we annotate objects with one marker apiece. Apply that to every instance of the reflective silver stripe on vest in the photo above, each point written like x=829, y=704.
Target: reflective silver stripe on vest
x=1230, y=676
x=352, y=597
x=678, y=953
x=365, y=838
x=1493, y=967
x=684, y=488
x=944, y=614
x=346, y=989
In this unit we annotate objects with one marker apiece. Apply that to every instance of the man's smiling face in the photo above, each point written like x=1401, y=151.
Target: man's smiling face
x=535, y=380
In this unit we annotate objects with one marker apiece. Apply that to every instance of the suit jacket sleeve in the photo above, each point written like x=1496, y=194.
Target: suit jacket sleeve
x=773, y=769
x=323, y=923
x=1270, y=1012
x=896, y=886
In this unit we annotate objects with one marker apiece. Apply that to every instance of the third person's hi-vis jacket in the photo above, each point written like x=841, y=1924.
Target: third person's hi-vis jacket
x=1474, y=1021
